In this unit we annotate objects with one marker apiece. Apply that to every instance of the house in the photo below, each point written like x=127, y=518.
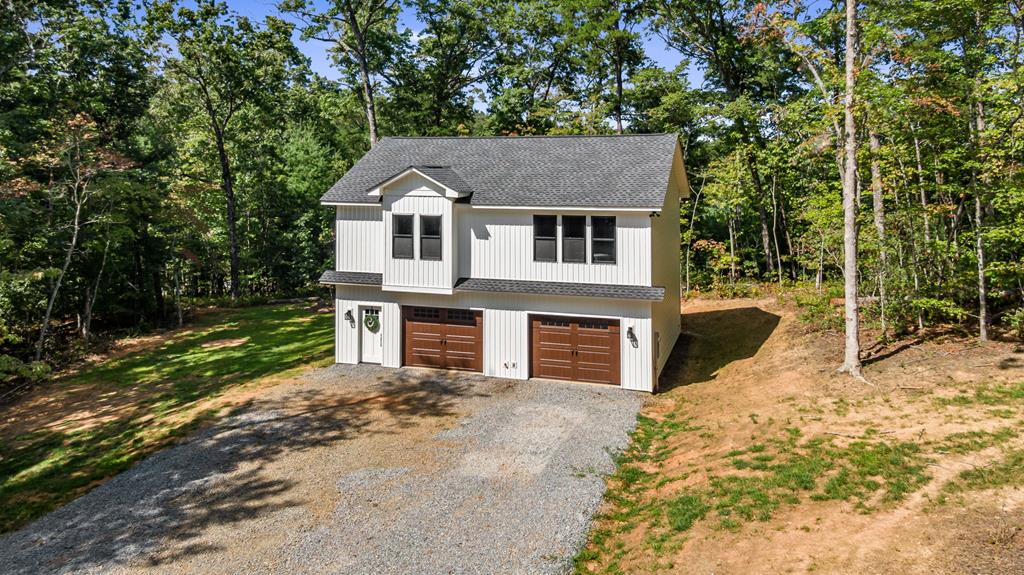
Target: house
x=550, y=257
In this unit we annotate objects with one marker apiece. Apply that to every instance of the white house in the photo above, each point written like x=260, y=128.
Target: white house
x=551, y=257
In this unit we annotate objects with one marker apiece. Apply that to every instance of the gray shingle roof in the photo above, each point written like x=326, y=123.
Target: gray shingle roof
x=649, y=293
x=358, y=278
x=561, y=288
x=630, y=171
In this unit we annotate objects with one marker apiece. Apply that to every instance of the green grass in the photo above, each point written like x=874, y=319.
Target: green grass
x=1007, y=472
x=972, y=441
x=755, y=483
x=993, y=395
x=42, y=470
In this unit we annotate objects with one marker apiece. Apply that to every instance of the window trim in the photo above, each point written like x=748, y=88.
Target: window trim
x=439, y=237
x=395, y=236
x=583, y=238
x=536, y=237
x=614, y=240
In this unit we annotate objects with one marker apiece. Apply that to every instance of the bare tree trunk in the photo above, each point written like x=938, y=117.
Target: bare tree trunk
x=775, y=227
x=851, y=356
x=732, y=249
x=820, y=276
x=689, y=236
x=229, y=195
x=922, y=191
x=177, y=292
x=879, y=217
x=90, y=298
x=76, y=226
x=979, y=229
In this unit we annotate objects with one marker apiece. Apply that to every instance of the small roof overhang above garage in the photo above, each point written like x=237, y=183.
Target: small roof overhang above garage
x=331, y=277
x=614, y=291
x=647, y=293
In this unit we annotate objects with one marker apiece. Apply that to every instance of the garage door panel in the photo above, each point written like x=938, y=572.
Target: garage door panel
x=446, y=339
x=579, y=349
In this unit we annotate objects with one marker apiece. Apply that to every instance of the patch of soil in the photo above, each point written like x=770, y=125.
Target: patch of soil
x=745, y=370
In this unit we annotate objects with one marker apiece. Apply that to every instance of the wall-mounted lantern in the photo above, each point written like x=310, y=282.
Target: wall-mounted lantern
x=348, y=317
x=632, y=337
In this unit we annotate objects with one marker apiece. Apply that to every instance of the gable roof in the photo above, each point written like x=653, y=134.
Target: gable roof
x=629, y=171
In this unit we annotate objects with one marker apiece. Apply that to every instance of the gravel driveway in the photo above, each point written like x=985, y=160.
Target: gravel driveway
x=355, y=469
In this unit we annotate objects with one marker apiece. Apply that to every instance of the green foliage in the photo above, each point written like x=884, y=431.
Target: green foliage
x=1015, y=320
x=46, y=468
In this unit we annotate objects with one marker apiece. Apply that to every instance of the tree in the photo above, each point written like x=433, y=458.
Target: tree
x=851, y=355
x=364, y=40
x=225, y=63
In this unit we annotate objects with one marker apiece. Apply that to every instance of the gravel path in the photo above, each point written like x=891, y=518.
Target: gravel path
x=355, y=469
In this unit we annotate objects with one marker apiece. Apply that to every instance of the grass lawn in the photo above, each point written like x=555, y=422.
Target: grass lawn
x=85, y=427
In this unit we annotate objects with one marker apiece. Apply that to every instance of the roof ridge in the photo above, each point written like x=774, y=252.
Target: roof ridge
x=530, y=136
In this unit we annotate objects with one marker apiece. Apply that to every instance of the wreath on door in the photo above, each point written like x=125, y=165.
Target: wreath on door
x=372, y=322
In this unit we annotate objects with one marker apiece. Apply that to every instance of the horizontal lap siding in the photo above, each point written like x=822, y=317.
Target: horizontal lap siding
x=358, y=234
x=496, y=244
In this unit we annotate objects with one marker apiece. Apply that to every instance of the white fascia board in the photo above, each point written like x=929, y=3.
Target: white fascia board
x=375, y=204
x=563, y=209
x=417, y=289
x=448, y=192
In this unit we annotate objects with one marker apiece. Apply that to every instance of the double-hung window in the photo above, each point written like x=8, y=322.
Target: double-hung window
x=545, y=238
x=574, y=239
x=430, y=237
x=602, y=239
x=402, y=236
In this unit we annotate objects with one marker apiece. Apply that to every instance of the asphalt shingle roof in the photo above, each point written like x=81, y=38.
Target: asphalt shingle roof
x=357, y=278
x=630, y=171
x=615, y=291
x=561, y=288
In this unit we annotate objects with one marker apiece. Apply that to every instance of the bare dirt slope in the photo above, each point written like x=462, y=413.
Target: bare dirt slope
x=722, y=490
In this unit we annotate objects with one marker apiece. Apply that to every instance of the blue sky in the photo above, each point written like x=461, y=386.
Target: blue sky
x=317, y=51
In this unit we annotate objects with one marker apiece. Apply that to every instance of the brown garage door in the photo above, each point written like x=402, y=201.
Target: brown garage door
x=443, y=338
x=577, y=349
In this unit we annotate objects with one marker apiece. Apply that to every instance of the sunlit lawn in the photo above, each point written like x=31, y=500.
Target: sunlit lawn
x=146, y=399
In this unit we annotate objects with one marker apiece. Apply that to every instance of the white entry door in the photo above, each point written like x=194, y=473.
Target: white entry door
x=372, y=339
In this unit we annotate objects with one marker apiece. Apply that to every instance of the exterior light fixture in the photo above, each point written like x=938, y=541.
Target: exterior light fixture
x=632, y=337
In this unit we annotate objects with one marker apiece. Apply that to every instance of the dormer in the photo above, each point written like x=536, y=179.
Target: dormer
x=420, y=243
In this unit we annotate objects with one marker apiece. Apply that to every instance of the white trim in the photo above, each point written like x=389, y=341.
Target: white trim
x=562, y=209
x=378, y=204
x=448, y=192
x=375, y=204
x=417, y=289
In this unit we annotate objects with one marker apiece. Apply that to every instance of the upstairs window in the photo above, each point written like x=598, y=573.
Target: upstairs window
x=545, y=238
x=401, y=237
x=430, y=237
x=574, y=239
x=602, y=242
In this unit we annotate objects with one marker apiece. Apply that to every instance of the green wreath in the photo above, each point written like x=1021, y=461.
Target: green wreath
x=372, y=322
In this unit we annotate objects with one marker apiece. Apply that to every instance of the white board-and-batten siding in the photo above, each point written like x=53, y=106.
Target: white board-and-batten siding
x=498, y=244
x=506, y=327
x=358, y=235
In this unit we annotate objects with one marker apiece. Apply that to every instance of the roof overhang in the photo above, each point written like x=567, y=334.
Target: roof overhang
x=449, y=192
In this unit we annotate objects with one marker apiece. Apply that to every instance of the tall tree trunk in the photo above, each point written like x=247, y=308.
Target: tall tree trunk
x=775, y=227
x=368, y=98
x=766, y=242
x=922, y=191
x=851, y=356
x=689, y=236
x=979, y=228
x=879, y=216
x=229, y=195
x=76, y=226
x=90, y=298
